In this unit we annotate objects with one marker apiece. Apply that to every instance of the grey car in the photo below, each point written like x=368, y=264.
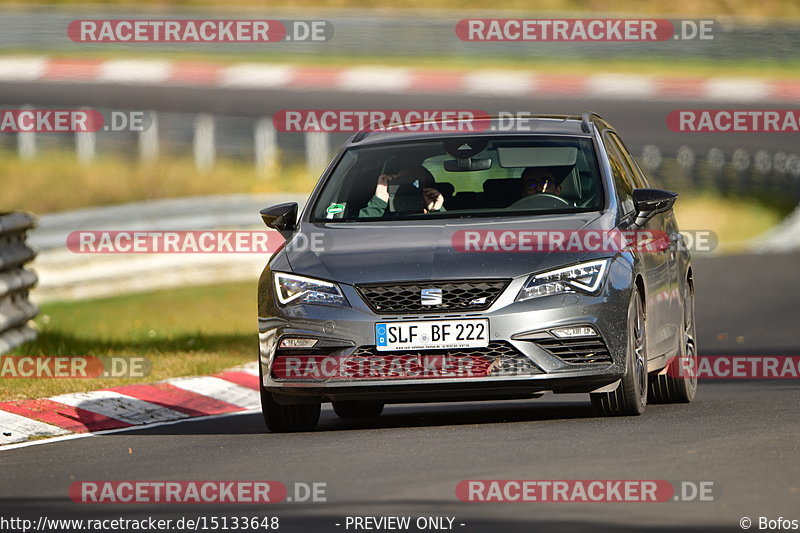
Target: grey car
x=477, y=264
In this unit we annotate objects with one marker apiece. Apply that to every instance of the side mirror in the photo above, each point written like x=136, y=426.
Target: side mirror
x=652, y=201
x=282, y=217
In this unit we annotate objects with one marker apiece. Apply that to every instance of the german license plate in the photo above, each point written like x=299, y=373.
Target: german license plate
x=432, y=334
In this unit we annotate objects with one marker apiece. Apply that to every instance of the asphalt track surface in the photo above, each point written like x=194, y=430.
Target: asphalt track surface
x=742, y=435
x=639, y=121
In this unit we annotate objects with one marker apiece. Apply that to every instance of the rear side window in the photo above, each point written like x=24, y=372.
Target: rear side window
x=623, y=183
x=639, y=179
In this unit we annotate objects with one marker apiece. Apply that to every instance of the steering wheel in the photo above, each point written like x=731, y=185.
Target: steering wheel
x=540, y=200
x=589, y=201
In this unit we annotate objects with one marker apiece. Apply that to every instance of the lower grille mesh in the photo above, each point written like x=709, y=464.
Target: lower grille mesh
x=581, y=351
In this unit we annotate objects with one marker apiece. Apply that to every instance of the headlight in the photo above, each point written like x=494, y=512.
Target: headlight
x=583, y=277
x=292, y=289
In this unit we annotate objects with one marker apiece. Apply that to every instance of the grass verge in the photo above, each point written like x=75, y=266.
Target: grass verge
x=56, y=181
x=736, y=221
x=182, y=332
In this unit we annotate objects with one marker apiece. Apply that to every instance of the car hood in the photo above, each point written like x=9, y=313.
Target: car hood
x=356, y=253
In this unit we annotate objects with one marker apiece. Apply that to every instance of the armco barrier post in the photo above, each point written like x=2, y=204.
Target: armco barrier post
x=318, y=151
x=148, y=140
x=26, y=142
x=265, y=139
x=204, y=146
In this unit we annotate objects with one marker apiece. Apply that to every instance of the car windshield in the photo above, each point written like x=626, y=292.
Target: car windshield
x=462, y=177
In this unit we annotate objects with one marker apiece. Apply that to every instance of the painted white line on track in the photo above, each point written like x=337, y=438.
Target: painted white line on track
x=621, y=86
x=22, y=68
x=501, y=83
x=374, y=79
x=736, y=89
x=136, y=72
x=255, y=76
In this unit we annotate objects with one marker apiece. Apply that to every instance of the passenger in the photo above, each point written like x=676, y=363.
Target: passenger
x=432, y=199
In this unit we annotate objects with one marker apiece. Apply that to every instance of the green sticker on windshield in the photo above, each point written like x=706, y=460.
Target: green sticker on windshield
x=335, y=208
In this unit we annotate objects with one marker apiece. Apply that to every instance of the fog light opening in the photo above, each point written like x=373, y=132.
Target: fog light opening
x=574, y=331
x=297, y=342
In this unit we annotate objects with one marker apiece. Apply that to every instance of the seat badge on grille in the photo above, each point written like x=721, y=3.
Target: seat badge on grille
x=431, y=296
x=479, y=301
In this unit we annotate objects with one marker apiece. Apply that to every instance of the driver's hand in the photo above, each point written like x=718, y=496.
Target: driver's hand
x=433, y=199
x=382, y=188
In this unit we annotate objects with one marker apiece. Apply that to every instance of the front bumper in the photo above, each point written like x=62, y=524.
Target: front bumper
x=345, y=330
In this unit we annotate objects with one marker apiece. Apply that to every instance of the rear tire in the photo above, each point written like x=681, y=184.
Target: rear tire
x=287, y=418
x=630, y=397
x=679, y=383
x=358, y=409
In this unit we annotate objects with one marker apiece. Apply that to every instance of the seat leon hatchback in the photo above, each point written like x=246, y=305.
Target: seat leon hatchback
x=491, y=262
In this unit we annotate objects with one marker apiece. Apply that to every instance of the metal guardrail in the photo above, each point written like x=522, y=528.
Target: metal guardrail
x=726, y=169
x=762, y=175
x=16, y=311
x=65, y=275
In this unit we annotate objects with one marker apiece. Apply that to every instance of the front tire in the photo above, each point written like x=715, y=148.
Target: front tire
x=679, y=383
x=630, y=397
x=287, y=418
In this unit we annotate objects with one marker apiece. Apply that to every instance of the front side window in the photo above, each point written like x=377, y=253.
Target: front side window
x=462, y=177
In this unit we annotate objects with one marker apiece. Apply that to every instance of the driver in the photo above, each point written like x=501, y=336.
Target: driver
x=537, y=180
x=433, y=201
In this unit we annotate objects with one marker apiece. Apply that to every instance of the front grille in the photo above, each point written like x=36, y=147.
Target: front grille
x=582, y=351
x=468, y=295
x=498, y=359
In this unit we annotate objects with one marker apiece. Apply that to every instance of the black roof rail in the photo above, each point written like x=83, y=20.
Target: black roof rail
x=586, y=120
x=363, y=132
x=360, y=135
